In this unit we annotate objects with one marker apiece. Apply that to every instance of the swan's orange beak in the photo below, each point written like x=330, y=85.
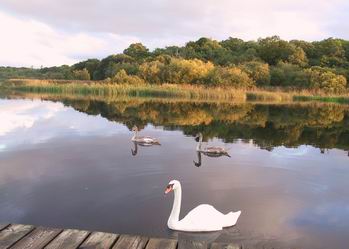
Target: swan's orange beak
x=169, y=188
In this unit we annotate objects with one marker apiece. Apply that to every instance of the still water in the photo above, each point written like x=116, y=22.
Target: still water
x=68, y=162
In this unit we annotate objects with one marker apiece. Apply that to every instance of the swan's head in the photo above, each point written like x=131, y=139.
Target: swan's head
x=134, y=128
x=172, y=185
x=198, y=136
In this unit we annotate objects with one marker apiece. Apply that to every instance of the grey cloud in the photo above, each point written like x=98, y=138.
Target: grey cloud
x=137, y=18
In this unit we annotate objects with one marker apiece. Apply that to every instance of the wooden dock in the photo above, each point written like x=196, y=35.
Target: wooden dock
x=16, y=236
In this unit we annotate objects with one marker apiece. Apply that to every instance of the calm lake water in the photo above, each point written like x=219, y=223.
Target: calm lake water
x=67, y=162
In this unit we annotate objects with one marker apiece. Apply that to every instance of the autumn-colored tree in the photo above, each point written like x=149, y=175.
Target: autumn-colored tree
x=123, y=78
x=258, y=71
x=81, y=74
x=186, y=71
x=326, y=80
x=298, y=57
x=229, y=76
x=152, y=71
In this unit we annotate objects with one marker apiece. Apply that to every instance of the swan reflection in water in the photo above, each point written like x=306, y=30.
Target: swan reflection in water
x=145, y=141
x=210, y=151
x=134, y=150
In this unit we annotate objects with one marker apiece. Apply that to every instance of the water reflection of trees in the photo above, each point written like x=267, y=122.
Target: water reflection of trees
x=320, y=125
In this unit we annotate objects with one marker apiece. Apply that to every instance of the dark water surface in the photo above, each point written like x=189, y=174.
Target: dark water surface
x=67, y=162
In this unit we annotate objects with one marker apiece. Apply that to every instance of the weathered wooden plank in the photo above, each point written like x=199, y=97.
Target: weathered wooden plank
x=162, y=244
x=99, y=240
x=3, y=225
x=224, y=246
x=12, y=234
x=68, y=239
x=37, y=239
x=189, y=244
x=130, y=242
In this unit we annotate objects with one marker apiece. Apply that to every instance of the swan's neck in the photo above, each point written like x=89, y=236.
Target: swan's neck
x=198, y=147
x=134, y=135
x=176, y=208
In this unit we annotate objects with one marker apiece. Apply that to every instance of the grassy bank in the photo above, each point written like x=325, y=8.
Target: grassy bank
x=101, y=88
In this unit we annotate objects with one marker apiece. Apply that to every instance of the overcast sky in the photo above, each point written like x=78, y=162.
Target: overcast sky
x=55, y=32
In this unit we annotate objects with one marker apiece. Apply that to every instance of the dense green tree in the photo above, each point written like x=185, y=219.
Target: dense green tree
x=111, y=65
x=330, y=52
x=239, y=51
x=61, y=72
x=273, y=50
x=286, y=74
x=235, y=45
x=91, y=65
x=205, y=49
x=174, y=51
x=137, y=51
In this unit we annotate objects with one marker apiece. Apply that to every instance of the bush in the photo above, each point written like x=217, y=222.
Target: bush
x=91, y=65
x=123, y=78
x=112, y=64
x=258, y=71
x=81, y=74
x=322, y=79
x=286, y=74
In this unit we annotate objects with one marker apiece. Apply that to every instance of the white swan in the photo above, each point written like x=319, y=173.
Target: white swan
x=203, y=218
x=144, y=141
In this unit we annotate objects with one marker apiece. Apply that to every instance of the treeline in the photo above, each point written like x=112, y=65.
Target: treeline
x=320, y=65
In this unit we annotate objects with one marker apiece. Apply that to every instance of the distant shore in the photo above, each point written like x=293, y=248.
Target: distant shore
x=187, y=91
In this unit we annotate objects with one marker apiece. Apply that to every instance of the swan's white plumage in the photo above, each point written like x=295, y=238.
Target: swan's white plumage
x=203, y=218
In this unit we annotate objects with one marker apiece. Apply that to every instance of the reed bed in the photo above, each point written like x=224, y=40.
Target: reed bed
x=143, y=90
x=182, y=91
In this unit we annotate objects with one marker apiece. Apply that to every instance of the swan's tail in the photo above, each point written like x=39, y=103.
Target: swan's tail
x=232, y=218
x=156, y=142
